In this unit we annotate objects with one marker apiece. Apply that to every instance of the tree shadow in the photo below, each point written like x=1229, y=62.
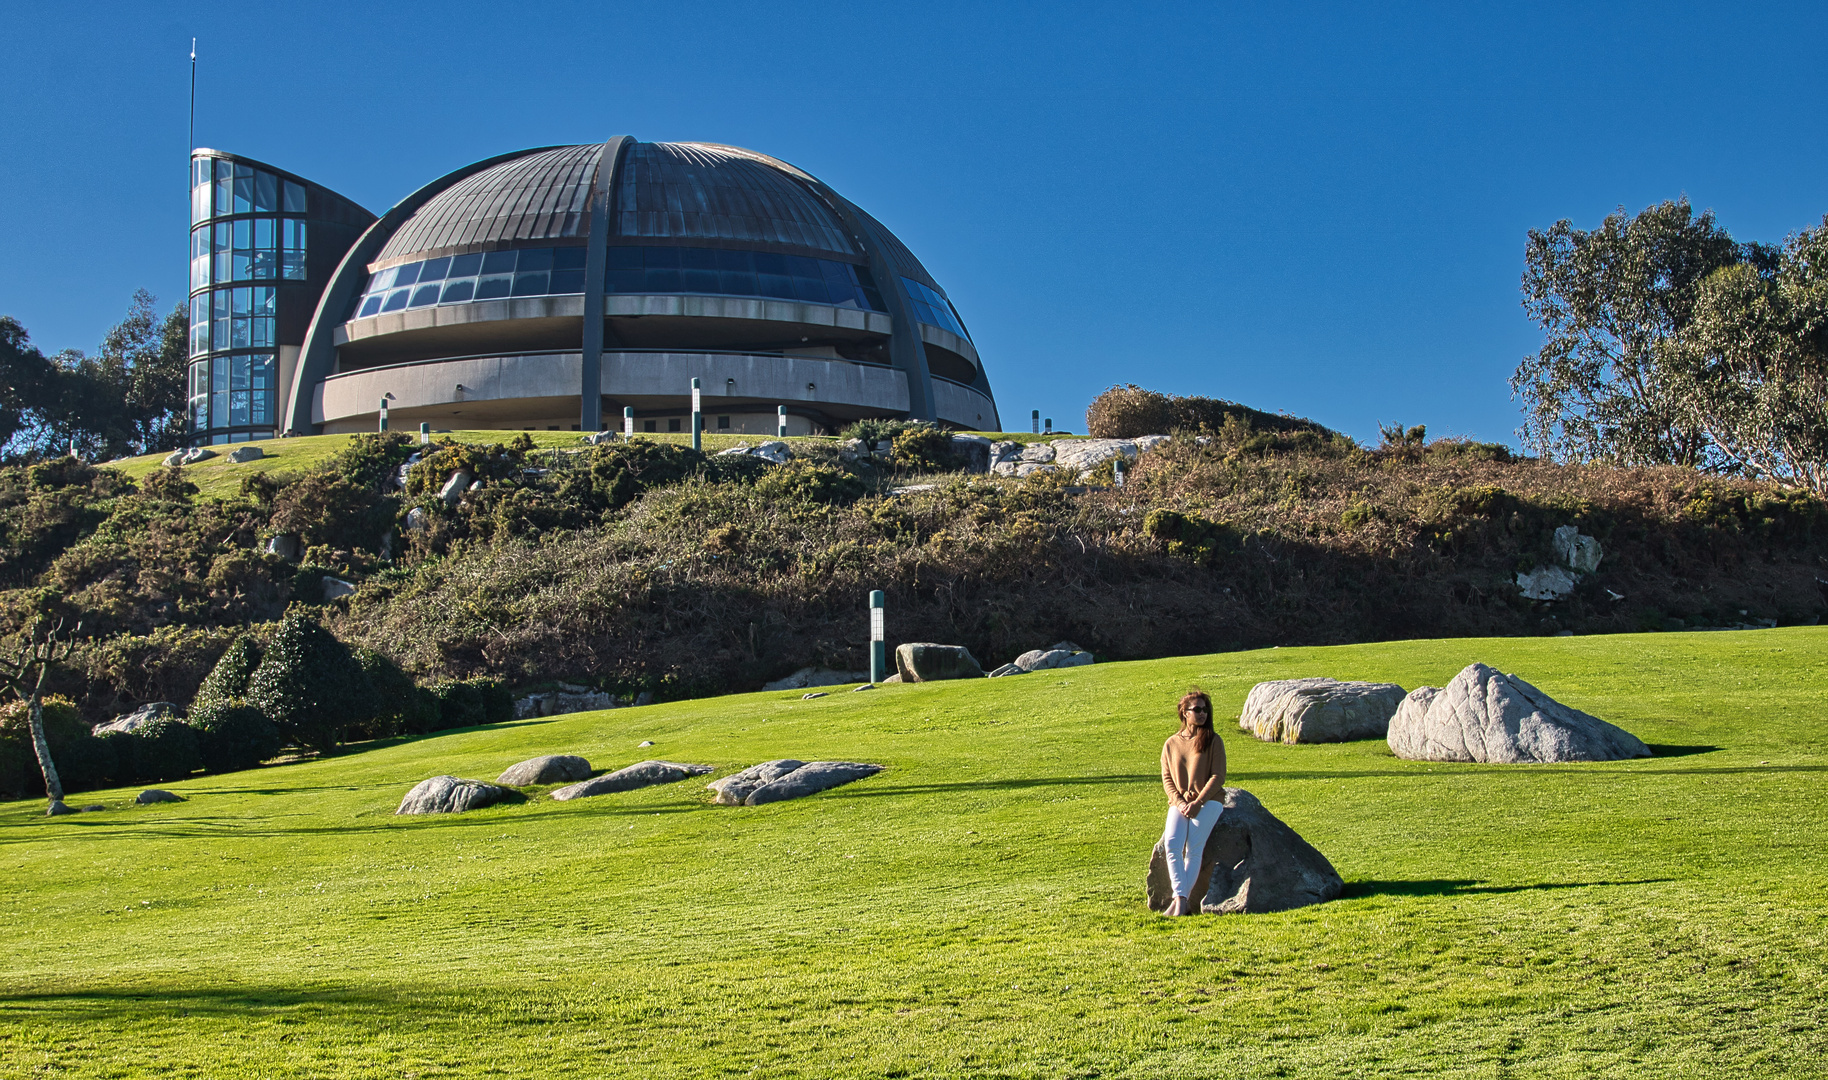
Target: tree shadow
x=852, y=790
x=1468, y=887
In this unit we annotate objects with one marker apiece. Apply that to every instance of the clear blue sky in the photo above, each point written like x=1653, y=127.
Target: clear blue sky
x=1315, y=209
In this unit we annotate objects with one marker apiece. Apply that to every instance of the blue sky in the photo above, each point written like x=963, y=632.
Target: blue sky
x=1317, y=209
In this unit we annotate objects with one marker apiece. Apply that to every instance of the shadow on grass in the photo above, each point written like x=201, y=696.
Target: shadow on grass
x=1593, y=770
x=1671, y=750
x=79, y=1005
x=1469, y=887
x=1016, y=783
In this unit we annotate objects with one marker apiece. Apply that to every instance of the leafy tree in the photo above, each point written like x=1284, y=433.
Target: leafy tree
x=25, y=379
x=1755, y=378
x=309, y=685
x=23, y=672
x=1613, y=303
x=228, y=680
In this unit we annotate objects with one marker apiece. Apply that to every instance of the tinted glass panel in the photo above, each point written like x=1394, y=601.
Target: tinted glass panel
x=490, y=288
x=569, y=258
x=433, y=269
x=295, y=198
x=498, y=262
x=466, y=265
x=567, y=281
x=459, y=291
x=426, y=294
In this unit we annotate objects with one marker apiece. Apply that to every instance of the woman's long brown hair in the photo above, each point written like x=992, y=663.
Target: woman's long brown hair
x=1202, y=735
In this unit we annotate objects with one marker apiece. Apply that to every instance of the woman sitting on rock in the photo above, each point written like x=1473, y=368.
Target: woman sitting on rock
x=1193, y=774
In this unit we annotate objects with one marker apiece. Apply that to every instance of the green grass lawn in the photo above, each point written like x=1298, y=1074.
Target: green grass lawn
x=976, y=909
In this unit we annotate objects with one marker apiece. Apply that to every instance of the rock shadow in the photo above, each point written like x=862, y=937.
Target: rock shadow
x=1469, y=887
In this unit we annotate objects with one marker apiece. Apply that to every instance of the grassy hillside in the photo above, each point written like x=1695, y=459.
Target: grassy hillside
x=975, y=909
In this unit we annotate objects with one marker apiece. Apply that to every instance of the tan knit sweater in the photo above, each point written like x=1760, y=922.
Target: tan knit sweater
x=1185, y=770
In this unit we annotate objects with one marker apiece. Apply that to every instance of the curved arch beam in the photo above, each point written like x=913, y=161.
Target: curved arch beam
x=317, y=359
x=596, y=271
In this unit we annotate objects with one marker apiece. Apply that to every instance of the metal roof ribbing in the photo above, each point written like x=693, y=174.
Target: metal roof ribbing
x=542, y=196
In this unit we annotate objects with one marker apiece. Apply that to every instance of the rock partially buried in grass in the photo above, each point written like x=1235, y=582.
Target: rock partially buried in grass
x=449, y=795
x=549, y=769
x=1486, y=716
x=924, y=661
x=1253, y=863
x=156, y=795
x=810, y=779
x=733, y=789
x=1319, y=710
x=639, y=775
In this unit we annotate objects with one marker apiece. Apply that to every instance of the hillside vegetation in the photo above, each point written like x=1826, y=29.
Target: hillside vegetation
x=647, y=566
x=975, y=909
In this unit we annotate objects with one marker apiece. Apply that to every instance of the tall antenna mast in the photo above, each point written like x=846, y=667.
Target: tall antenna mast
x=192, y=145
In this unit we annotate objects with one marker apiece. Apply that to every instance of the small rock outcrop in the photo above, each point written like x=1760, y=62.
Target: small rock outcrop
x=924, y=661
x=774, y=452
x=1579, y=551
x=810, y=779
x=1253, y=863
x=450, y=795
x=140, y=717
x=1062, y=654
x=155, y=795
x=732, y=790
x=547, y=769
x=973, y=451
x=1486, y=716
x=455, y=486
x=241, y=455
x=1548, y=583
x=639, y=775
x=1579, y=554
x=189, y=457
x=563, y=701
x=808, y=677
x=1319, y=710
x=336, y=588
x=286, y=546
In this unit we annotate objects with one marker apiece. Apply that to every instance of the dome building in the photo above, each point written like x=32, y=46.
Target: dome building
x=557, y=287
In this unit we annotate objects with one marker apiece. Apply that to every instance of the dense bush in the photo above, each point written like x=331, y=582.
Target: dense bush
x=233, y=735
x=459, y=705
x=162, y=749
x=81, y=762
x=309, y=685
x=1126, y=412
x=398, y=706
x=228, y=680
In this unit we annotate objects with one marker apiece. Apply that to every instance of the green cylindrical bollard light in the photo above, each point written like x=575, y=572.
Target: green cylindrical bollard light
x=1037, y=419
x=383, y=414
x=780, y=421
x=698, y=417
x=425, y=433
x=879, y=646
x=628, y=421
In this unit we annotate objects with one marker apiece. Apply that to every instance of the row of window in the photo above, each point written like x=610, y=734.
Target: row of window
x=247, y=249
x=932, y=308
x=219, y=187
x=236, y=390
x=243, y=318
x=631, y=270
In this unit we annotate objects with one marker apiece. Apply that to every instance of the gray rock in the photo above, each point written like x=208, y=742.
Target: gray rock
x=416, y=520
x=645, y=697
x=974, y=451
x=455, y=486
x=1008, y=669
x=1146, y=443
x=547, y=769
x=1253, y=863
x=140, y=717
x=599, y=438
x=1084, y=455
x=1484, y=715
x=156, y=795
x=808, y=677
x=173, y=459
x=241, y=455
x=895, y=678
x=733, y=789
x=644, y=743
x=1547, y=583
x=337, y=588
x=861, y=689
x=563, y=703
x=59, y=808
x=924, y=661
x=1579, y=551
x=810, y=779
x=814, y=694
x=196, y=454
x=1319, y=710
x=286, y=546
x=1029, y=468
x=1037, y=453
x=93, y=808
x=775, y=452
x=639, y=775
x=1414, y=707
x=1064, y=654
x=449, y=795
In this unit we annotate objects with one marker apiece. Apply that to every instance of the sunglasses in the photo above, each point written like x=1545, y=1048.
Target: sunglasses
x=1200, y=709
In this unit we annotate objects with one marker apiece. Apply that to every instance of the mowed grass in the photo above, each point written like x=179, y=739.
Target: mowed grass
x=977, y=908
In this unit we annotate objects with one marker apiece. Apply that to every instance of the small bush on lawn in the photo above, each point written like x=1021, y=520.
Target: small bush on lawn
x=309, y=684
x=163, y=748
x=233, y=735
x=459, y=705
x=399, y=706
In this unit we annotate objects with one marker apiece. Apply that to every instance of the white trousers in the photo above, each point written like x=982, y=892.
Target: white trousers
x=1184, y=838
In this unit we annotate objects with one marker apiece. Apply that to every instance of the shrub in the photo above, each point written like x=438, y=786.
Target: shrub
x=399, y=707
x=167, y=484
x=163, y=748
x=309, y=684
x=803, y=481
x=1188, y=537
x=459, y=705
x=233, y=735
x=80, y=762
x=926, y=448
x=228, y=680
x=371, y=458
x=1125, y=412
x=497, y=700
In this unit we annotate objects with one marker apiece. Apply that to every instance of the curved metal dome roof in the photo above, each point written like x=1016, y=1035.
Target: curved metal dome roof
x=688, y=193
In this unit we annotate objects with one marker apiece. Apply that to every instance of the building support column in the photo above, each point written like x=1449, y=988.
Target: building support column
x=596, y=273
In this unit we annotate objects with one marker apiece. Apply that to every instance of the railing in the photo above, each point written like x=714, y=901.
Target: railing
x=607, y=352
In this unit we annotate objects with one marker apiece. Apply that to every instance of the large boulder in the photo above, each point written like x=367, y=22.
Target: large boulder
x=562, y=702
x=734, y=789
x=1548, y=583
x=450, y=795
x=924, y=661
x=974, y=451
x=241, y=455
x=546, y=769
x=810, y=779
x=140, y=717
x=808, y=677
x=1061, y=654
x=1580, y=551
x=1319, y=710
x=1084, y=455
x=1253, y=863
x=639, y=775
x=1484, y=715
x=155, y=795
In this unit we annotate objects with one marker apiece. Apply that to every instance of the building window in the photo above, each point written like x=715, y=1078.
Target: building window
x=650, y=426
x=723, y=423
x=236, y=390
x=932, y=308
x=672, y=425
